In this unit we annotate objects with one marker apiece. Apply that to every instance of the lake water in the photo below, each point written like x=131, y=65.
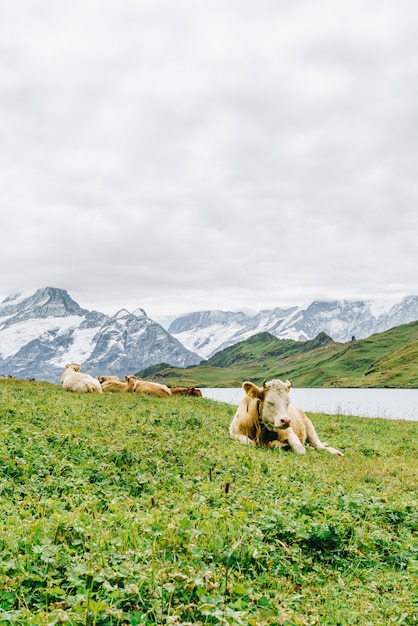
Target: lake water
x=401, y=404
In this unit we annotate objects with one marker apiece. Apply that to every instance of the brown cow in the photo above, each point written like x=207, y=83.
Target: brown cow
x=186, y=391
x=102, y=379
x=114, y=386
x=265, y=416
x=142, y=386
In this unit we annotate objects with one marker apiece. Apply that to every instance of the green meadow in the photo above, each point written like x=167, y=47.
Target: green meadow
x=118, y=509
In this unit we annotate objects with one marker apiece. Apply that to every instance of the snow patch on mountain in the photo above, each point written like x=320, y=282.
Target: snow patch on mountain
x=14, y=337
x=79, y=350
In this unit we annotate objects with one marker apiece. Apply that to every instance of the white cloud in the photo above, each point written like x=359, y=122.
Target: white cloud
x=198, y=155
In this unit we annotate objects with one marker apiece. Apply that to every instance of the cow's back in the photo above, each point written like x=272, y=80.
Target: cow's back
x=153, y=389
x=68, y=379
x=80, y=383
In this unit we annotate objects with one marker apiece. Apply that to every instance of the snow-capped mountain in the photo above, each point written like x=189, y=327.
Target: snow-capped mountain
x=208, y=332
x=43, y=330
x=40, y=332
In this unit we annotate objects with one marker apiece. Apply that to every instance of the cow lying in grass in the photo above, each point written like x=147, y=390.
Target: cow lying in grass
x=186, y=391
x=103, y=379
x=74, y=380
x=266, y=417
x=114, y=386
x=136, y=385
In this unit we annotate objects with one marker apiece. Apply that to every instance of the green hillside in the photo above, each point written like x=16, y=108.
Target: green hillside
x=388, y=359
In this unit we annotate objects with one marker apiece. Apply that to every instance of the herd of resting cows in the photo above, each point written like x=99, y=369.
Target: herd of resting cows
x=264, y=417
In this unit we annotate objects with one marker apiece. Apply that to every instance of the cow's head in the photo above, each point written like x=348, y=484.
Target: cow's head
x=73, y=366
x=273, y=402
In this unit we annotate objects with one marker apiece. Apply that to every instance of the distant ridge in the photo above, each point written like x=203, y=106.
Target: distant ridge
x=207, y=332
x=387, y=359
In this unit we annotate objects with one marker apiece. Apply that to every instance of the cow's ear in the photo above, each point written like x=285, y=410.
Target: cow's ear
x=288, y=384
x=252, y=390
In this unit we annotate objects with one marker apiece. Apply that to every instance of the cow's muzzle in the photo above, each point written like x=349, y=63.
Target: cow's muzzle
x=283, y=422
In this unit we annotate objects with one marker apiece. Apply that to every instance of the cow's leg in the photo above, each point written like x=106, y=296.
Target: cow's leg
x=243, y=439
x=293, y=441
x=313, y=439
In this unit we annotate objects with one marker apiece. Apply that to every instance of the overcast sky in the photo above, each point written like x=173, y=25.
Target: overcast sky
x=209, y=154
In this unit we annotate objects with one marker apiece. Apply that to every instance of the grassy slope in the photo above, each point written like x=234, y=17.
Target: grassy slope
x=118, y=509
x=386, y=359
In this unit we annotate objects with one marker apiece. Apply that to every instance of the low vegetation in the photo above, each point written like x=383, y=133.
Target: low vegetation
x=117, y=509
x=386, y=359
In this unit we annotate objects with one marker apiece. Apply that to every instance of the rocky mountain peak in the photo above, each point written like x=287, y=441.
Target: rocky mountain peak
x=42, y=331
x=46, y=302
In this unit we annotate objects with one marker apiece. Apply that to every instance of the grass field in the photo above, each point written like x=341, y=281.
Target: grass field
x=118, y=509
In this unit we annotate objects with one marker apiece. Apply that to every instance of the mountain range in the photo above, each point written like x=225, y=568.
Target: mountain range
x=43, y=330
x=208, y=332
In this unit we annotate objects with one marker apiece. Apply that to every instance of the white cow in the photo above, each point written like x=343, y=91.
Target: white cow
x=266, y=417
x=74, y=380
